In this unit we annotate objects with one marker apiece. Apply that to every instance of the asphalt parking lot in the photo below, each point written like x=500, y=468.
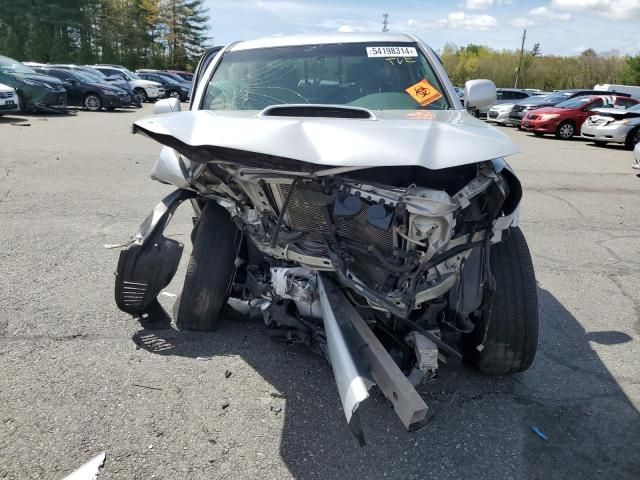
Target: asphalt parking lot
x=78, y=377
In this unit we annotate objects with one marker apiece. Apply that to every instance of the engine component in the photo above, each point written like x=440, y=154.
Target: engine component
x=298, y=284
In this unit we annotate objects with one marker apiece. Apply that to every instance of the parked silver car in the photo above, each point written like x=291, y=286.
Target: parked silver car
x=500, y=113
x=613, y=125
x=507, y=95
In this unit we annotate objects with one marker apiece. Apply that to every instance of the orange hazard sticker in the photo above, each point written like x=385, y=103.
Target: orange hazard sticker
x=424, y=93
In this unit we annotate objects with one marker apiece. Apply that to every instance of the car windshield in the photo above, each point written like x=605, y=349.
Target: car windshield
x=92, y=71
x=83, y=77
x=557, y=97
x=168, y=79
x=575, y=102
x=370, y=75
x=94, y=77
x=130, y=74
x=9, y=65
x=173, y=77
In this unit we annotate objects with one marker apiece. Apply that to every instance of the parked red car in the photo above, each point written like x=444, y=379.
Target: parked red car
x=565, y=119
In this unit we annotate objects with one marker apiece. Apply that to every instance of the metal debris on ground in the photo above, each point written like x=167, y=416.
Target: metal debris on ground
x=146, y=386
x=90, y=470
x=539, y=432
x=224, y=405
x=227, y=373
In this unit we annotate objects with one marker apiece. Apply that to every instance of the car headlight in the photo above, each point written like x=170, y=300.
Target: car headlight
x=622, y=122
x=548, y=116
x=36, y=83
x=108, y=92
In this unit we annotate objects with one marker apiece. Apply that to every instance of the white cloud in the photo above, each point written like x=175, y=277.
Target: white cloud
x=463, y=21
x=615, y=9
x=545, y=12
x=477, y=4
x=345, y=26
x=484, y=4
x=522, y=22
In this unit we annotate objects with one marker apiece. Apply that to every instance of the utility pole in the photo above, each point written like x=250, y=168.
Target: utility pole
x=385, y=22
x=524, y=36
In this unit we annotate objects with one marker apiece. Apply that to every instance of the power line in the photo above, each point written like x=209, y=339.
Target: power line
x=385, y=22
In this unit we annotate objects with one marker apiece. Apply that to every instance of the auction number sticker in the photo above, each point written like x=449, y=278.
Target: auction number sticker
x=391, y=52
x=424, y=93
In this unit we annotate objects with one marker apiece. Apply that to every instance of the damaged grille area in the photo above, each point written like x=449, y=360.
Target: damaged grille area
x=305, y=216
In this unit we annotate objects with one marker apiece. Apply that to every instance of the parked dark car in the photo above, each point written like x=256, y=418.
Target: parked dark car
x=164, y=73
x=84, y=91
x=525, y=106
x=182, y=74
x=98, y=76
x=172, y=87
x=36, y=92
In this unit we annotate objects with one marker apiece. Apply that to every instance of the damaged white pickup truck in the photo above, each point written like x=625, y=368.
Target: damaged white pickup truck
x=341, y=190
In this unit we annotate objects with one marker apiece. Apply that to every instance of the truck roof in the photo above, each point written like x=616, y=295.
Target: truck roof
x=328, y=38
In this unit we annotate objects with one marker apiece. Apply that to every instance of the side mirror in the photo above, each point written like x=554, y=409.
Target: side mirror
x=167, y=105
x=479, y=93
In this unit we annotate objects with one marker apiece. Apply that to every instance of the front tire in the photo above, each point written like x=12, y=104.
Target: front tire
x=512, y=335
x=633, y=138
x=566, y=130
x=174, y=94
x=92, y=102
x=210, y=272
x=141, y=95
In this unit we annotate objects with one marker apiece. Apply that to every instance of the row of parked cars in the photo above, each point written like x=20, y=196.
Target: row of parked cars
x=32, y=86
x=601, y=116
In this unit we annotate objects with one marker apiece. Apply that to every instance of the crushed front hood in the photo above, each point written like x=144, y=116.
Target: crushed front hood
x=431, y=139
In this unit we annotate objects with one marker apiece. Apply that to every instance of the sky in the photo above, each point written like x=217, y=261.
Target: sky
x=562, y=27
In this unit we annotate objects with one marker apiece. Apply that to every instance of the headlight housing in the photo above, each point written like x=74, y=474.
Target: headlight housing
x=548, y=116
x=37, y=83
x=108, y=92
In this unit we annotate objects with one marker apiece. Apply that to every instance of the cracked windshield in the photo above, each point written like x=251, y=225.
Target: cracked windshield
x=374, y=76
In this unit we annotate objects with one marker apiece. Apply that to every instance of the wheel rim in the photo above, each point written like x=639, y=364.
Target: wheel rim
x=566, y=130
x=92, y=102
x=174, y=94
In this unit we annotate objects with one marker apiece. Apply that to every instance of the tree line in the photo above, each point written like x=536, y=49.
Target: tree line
x=174, y=33
x=546, y=72
x=135, y=33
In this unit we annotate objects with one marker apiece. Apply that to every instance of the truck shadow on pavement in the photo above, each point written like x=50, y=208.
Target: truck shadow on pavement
x=480, y=427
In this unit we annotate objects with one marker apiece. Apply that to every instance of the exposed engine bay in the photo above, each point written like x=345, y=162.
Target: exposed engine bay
x=402, y=252
x=396, y=247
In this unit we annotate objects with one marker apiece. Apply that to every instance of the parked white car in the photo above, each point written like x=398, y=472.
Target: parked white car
x=9, y=102
x=613, y=125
